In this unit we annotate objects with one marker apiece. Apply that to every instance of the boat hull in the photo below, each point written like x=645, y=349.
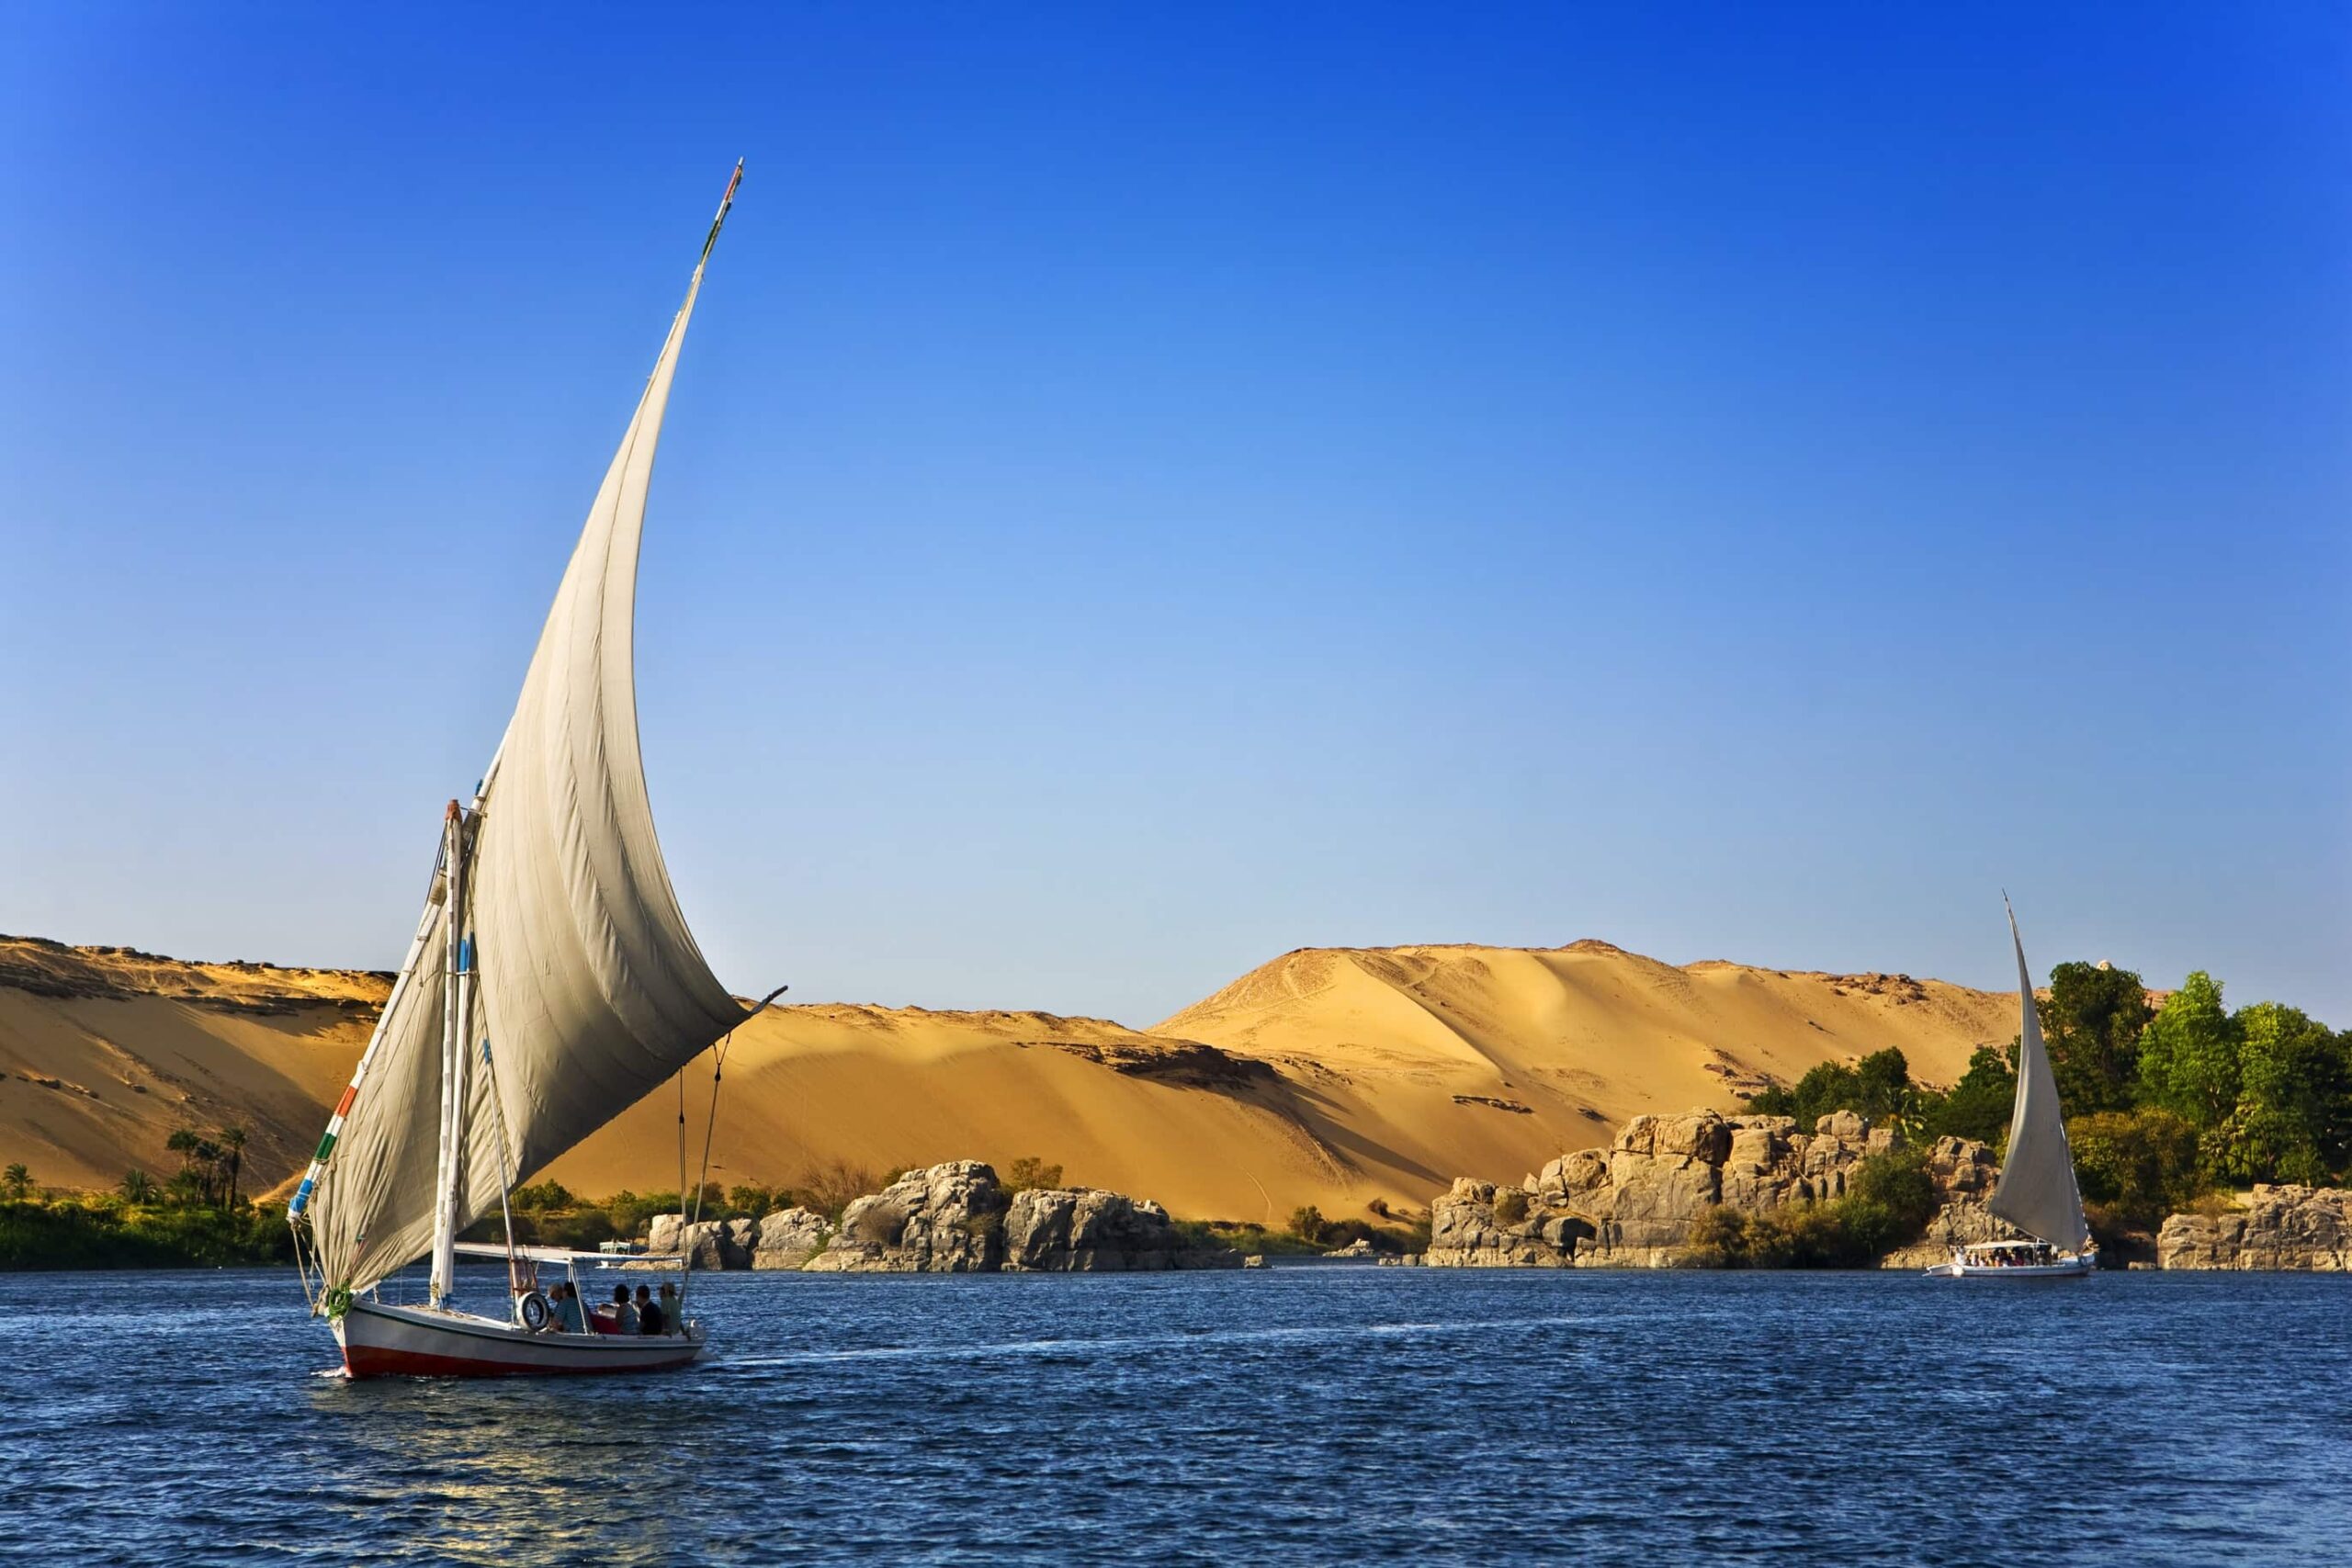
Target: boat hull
x=2072, y=1268
x=380, y=1340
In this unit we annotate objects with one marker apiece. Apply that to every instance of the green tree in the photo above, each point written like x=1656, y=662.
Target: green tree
x=2091, y=1021
x=751, y=1198
x=2140, y=1164
x=1878, y=1086
x=1978, y=1106
x=207, y=1159
x=2188, y=1054
x=233, y=1140
x=1306, y=1224
x=137, y=1186
x=2294, y=1116
x=542, y=1197
x=18, y=1180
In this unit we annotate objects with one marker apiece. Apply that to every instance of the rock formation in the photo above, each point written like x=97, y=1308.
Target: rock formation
x=2306, y=1229
x=951, y=1219
x=1634, y=1205
x=1061, y=1229
x=711, y=1243
x=788, y=1238
x=947, y=1219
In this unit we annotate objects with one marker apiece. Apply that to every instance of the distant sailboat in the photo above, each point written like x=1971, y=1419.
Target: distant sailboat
x=551, y=983
x=2037, y=1191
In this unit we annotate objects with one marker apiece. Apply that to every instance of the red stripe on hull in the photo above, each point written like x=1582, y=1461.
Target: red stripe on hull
x=374, y=1361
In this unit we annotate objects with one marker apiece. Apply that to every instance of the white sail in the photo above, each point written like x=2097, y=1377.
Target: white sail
x=589, y=989
x=2037, y=1191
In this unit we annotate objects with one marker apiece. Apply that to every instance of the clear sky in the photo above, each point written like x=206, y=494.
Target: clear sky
x=1154, y=486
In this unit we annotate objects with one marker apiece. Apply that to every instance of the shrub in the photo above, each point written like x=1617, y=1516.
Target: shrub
x=752, y=1199
x=544, y=1197
x=2139, y=1165
x=832, y=1187
x=1306, y=1224
x=1888, y=1202
x=1029, y=1171
x=1510, y=1206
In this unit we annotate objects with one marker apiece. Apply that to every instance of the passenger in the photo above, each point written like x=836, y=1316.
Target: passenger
x=567, y=1310
x=649, y=1316
x=673, y=1318
x=624, y=1315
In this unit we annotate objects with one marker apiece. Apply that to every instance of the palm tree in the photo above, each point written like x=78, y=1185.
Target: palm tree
x=208, y=1159
x=189, y=1186
x=138, y=1186
x=232, y=1138
x=18, y=1180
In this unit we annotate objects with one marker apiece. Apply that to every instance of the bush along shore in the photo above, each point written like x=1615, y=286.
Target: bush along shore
x=196, y=1219
x=101, y=1231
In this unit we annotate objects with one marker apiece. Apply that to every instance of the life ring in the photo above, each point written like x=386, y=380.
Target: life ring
x=533, y=1312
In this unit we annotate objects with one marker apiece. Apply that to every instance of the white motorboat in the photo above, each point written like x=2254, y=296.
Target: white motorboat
x=2037, y=1192
x=551, y=985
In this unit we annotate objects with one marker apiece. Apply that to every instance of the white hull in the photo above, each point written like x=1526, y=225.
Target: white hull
x=380, y=1340
x=2073, y=1266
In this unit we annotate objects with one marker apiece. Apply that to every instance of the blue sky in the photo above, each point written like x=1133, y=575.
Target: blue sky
x=1152, y=488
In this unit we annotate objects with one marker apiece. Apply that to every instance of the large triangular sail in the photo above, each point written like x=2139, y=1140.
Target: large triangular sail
x=2037, y=1191
x=588, y=990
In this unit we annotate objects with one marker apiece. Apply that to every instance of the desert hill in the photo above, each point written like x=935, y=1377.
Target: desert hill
x=1332, y=1077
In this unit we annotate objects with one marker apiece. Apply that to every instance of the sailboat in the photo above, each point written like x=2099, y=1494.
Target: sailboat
x=551, y=983
x=2036, y=1193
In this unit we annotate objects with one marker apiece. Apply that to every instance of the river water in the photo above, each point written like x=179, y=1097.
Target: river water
x=1306, y=1415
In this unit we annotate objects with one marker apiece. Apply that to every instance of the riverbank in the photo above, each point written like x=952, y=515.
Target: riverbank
x=99, y=1233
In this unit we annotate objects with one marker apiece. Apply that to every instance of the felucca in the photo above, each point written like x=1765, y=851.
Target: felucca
x=551, y=983
x=2037, y=1191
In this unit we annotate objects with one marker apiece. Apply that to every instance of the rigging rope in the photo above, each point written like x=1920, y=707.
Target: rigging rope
x=709, y=1128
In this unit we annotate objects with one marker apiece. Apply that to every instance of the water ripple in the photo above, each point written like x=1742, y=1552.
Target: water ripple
x=1306, y=1415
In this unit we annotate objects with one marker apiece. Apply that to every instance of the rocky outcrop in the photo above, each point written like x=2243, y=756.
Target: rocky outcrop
x=1061, y=1229
x=1634, y=1203
x=947, y=1219
x=2303, y=1229
x=710, y=1244
x=788, y=1238
x=950, y=1219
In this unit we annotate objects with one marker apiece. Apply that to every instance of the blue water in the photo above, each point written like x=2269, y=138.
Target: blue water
x=1307, y=1414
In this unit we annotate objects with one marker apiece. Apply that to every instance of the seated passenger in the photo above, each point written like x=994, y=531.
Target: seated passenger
x=624, y=1315
x=567, y=1310
x=650, y=1319
x=673, y=1317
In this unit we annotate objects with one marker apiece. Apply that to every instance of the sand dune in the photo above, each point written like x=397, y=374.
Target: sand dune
x=1333, y=1076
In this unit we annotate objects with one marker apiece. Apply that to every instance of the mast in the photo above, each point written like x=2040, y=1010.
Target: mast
x=456, y=1026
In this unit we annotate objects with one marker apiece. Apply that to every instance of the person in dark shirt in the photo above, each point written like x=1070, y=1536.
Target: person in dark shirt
x=649, y=1315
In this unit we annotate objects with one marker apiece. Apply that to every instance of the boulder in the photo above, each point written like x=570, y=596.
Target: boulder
x=2299, y=1229
x=1466, y=1232
x=705, y=1242
x=945, y=1219
x=1702, y=1135
x=1063, y=1229
x=788, y=1238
